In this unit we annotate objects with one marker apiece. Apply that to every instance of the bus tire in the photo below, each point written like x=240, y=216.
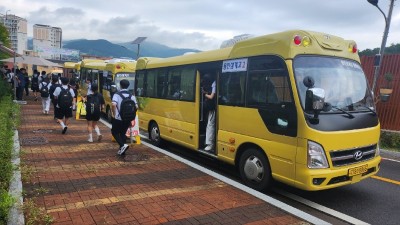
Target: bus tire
x=155, y=135
x=109, y=114
x=255, y=170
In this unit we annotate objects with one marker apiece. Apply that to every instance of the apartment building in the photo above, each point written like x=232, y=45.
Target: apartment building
x=47, y=41
x=18, y=31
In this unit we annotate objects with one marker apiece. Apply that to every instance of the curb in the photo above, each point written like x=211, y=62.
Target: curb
x=16, y=214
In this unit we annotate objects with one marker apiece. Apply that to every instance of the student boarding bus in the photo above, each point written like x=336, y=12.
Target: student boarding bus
x=294, y=107
x=114, y=72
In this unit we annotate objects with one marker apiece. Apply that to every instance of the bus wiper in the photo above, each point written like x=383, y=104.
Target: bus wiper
x=369, y=109
x=344, y=111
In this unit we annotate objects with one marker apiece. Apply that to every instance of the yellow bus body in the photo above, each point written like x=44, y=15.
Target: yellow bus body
x=113, y=71
x=244, y=129
x=93, y=69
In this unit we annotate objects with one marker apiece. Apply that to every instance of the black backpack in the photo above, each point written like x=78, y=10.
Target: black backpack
x=35, y=81
x=44, y=91
x=128, y=108
x=64, y=99
x=52, y=89
x=93, y=105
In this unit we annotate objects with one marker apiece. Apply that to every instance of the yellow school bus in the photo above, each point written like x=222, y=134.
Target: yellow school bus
x=93, y=69
x=114, y=72
x=71, y=69
x=294, y=107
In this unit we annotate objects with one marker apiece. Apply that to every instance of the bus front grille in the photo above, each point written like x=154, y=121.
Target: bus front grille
x=351, y=156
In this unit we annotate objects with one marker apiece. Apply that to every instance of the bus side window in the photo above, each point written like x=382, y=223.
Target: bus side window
x=232, y=88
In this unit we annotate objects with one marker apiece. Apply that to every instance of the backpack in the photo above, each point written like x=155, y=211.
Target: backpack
x=44, y=91
x=35, y=81
x=52, y=89
x=64, y=99
x=93, y=105
x=128, y=108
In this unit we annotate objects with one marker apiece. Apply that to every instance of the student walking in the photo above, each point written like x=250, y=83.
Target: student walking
x=65, y=101
x=94, y=105
x=35, y=84
x=54, y=84
x=124, y=106
x=44, y=88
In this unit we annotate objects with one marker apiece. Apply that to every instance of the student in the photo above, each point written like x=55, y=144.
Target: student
x=65, y=101
x=120, y=126
x=35, y=84
x=44, y=88
x=94, y=105
x=27, y=82
x=54, y=84
x=209, y=90
x=20, y=83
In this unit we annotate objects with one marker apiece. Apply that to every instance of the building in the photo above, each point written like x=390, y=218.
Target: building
x=18, y=31
x=47, y=41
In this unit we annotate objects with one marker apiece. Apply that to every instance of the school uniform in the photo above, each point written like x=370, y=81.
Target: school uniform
x=61, y=113
x=45, y=100
x=120, y=127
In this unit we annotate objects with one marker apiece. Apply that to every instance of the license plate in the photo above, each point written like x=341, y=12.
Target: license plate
x=358, y=170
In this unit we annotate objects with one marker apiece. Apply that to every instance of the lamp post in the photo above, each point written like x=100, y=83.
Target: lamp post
x=137, y=42
x=385, y=35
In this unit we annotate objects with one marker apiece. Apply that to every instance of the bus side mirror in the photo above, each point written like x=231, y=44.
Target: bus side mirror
x=315, y=99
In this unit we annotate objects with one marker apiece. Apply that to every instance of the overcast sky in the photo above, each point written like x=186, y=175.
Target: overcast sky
x=204, y=24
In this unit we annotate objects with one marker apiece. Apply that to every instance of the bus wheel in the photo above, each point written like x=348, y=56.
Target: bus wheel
x=255, y=170
x=154, y=134
x=109, y=115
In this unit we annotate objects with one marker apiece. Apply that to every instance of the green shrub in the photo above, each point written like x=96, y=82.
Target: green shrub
x=7, y=110
x=390, y=140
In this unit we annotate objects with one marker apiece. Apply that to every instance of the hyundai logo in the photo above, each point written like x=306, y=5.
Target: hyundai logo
x=358, y=155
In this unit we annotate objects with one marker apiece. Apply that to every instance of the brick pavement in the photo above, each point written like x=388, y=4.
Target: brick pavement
x=87, y=183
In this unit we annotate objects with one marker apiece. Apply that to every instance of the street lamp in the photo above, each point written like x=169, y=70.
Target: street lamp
x=385, y=35
x=137, y=42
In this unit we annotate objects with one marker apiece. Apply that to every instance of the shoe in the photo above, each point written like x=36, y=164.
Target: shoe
x=123, y=149
x=209, y=148
x=99, y=137
x=35, y=99
x=64, y=130
x=90, y=140
x=44, y=112
x=47, y=112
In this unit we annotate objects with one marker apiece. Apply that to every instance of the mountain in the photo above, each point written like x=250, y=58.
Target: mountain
x=107, y=49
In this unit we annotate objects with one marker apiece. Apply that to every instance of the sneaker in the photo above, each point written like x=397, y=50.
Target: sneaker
x=44, y=111
x=64, y=130
x=209, y=148
x=123, y=149
x=90, y=140
x=99, y=137
x=47, y=112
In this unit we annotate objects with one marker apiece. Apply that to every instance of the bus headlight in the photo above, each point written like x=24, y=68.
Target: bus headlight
x=316, y=156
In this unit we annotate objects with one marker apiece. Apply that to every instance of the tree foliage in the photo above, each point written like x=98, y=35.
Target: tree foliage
x=4, y=38
x=392, y=49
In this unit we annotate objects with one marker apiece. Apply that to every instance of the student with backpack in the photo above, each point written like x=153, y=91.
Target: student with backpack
x=124, y=107
x=35, y=84
x=44, y=87
x=94, y=104
x=54, y=84
x=65, y=100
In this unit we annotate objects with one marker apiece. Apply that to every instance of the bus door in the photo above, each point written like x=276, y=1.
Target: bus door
x=208, y=110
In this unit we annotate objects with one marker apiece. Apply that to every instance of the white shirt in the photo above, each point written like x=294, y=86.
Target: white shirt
x=116, y=100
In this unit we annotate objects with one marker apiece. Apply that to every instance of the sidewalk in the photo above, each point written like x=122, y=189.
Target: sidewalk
x=87, y=183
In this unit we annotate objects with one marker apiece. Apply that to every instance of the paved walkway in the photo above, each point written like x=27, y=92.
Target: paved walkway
x=87, y=183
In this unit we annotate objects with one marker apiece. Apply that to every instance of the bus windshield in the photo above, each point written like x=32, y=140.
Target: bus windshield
x=343, y=81
x=127, y=76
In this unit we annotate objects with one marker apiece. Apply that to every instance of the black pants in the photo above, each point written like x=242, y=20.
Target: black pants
x=118, y=131
x=27, y=90
x=20, y=92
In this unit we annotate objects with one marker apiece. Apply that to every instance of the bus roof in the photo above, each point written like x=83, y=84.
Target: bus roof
x=282, y=44
x=86, y=61
x=70, y=65
x=101, y=65
x=115, y=67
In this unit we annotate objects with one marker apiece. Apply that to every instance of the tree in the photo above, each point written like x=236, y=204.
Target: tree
x=392, y=49
x=4, y=38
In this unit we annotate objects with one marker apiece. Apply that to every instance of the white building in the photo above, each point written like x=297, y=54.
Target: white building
x=18, y=31
x=47, y=41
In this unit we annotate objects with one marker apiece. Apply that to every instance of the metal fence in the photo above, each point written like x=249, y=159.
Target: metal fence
x=388, y=111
